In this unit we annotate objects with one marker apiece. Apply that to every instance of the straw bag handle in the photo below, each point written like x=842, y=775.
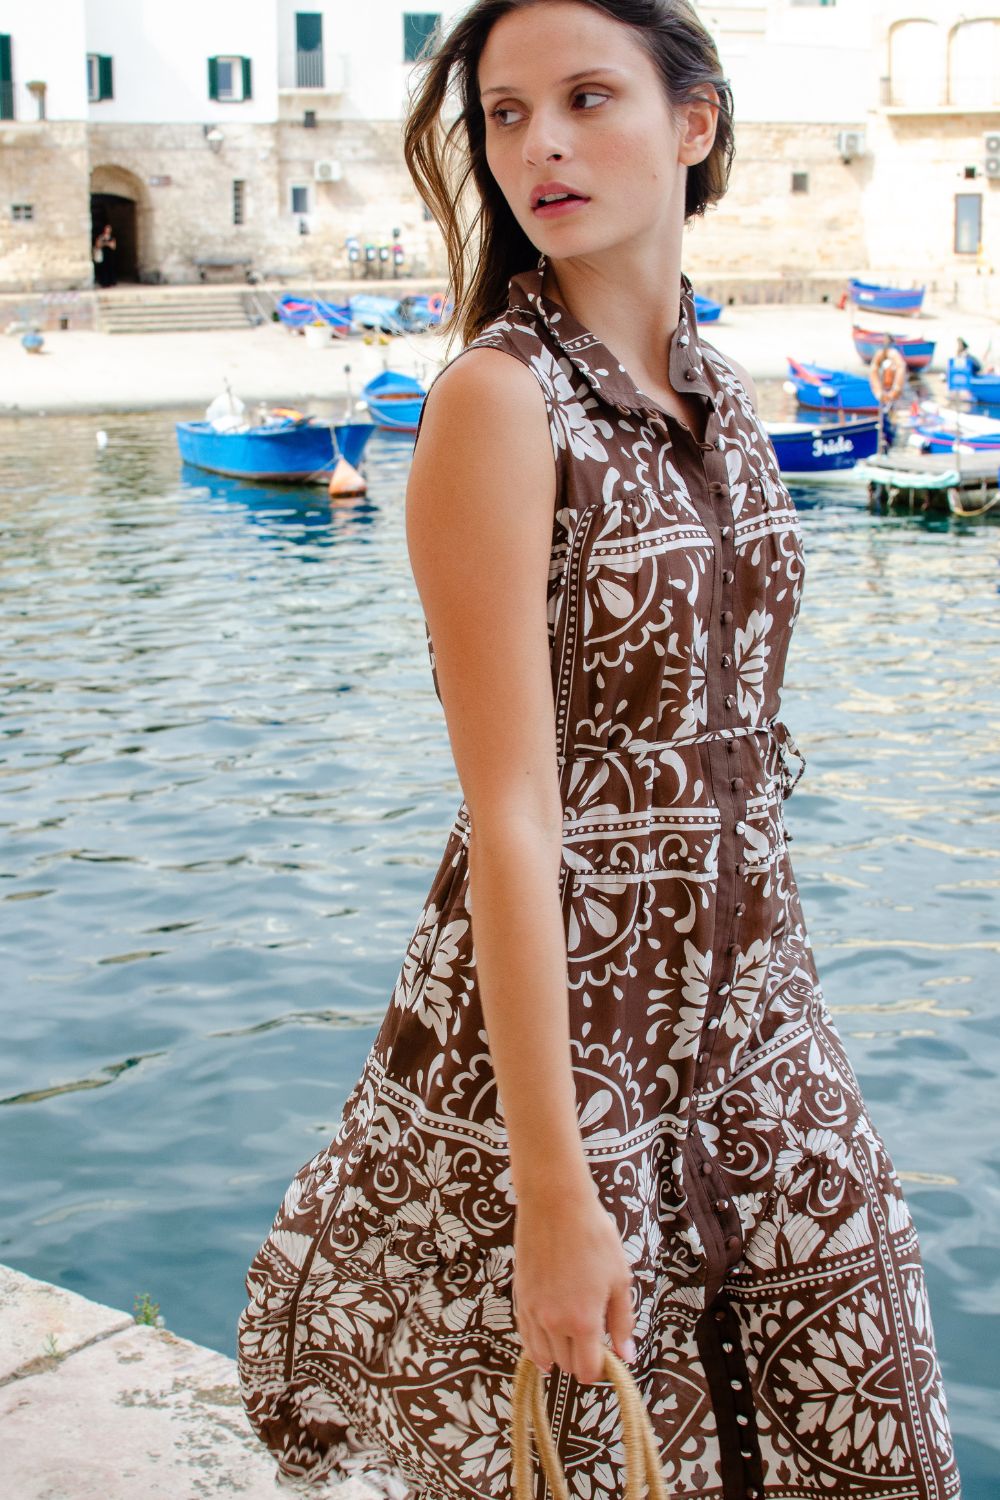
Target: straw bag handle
x=642, y=1458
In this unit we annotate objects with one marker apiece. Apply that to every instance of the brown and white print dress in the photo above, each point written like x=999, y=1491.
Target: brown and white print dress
x=785, y=1345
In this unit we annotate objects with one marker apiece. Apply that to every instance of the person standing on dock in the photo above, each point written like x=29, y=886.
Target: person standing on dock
x=972, y=364
x=608, y=1103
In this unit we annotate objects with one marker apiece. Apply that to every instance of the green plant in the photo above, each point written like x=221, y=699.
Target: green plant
x=147, y=1311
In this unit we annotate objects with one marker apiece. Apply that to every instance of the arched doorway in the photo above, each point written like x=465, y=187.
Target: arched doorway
x=118, y=198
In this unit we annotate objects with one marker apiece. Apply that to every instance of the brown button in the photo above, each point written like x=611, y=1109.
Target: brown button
x=733, y=1242
x=729, y=700
x=723, y=988
x=726, y=616
x=702, y=1057
x=722, y=1203
x=720, y=1314
x=726, y=529
x=727, y=660
x=690, y=374
x=742, y=869
x=706, y=1168
x=736, y=783
x=741, y=907
x=728, y=575
x=730, y=947
x=731, y=747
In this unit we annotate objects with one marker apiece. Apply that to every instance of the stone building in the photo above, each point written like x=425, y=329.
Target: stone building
x=249, y=133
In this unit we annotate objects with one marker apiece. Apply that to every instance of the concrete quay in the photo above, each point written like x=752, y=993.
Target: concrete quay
x=95, y=1406
x=84, y=371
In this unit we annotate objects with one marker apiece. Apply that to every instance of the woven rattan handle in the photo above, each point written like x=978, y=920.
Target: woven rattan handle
x=642, y=1458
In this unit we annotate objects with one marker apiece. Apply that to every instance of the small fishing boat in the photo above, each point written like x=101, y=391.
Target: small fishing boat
x=299, y=312
x=982, y=388
x=822, y=389
x=917, y=352
x=288, y=449
x=813, y=452
x=394, y=400
x=934, y=429
x=705, y=310
x=887, y=299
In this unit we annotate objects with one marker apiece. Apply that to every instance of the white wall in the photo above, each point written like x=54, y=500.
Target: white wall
x=161, y=53
x=47, y=44
x=806, y=64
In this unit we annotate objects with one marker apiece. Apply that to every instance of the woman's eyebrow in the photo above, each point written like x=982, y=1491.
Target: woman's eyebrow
x=506, y=88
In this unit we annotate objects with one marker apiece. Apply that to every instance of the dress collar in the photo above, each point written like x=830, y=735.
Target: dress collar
x=595, y=361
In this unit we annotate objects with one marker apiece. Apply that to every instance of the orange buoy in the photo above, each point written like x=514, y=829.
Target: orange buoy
x=345, y=480
x=435, y=304
x=888, y=375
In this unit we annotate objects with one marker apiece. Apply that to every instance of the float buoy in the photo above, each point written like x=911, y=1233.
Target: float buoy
x=345, y=480
x=888, y=375
x=435, y=305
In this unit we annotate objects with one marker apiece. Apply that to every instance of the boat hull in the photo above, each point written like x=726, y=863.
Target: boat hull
x=886, y=299
x=296, y=454
x=812, y=452
x=917, y=353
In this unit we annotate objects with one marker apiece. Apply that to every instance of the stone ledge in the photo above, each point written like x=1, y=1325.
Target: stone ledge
x=121, y=1411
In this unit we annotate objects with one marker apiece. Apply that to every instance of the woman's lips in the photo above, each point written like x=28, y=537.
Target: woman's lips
x=557, y=210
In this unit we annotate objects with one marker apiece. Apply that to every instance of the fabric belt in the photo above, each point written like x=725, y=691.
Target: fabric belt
x=777, y=729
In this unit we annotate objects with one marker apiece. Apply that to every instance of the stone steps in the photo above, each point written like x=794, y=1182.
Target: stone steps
x=185, y=311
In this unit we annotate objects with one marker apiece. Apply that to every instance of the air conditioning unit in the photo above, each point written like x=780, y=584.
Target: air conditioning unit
x=992, y=144
x=851, y=143
x=327, y=171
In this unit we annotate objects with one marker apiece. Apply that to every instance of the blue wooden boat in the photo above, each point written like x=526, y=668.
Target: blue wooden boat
x=886, y=299
x=823, y=389
x=917, y=352
x=297, y=312
x=809, y=451
x=289, y=450
x=982, y=388
x=705, y=310
x=394, y=400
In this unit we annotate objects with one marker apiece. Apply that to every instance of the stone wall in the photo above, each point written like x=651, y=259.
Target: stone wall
x=890, y=210
x=44, y=164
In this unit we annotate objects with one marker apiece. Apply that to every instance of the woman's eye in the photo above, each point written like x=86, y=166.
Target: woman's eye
x=589, y=94
x=496, y=113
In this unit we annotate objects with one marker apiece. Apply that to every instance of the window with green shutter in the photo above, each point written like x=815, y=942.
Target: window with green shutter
x=229, y=79
x=6, y=79
x=419, y=32
x=99, y=78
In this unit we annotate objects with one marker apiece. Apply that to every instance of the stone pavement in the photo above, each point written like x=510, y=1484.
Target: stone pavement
x=83, y=371
x=94, y=1406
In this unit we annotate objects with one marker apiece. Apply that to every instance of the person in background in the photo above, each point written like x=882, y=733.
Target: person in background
x=103, y=253
x=972, y=364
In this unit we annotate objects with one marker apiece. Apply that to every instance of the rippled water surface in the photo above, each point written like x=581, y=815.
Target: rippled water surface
x=226, y=789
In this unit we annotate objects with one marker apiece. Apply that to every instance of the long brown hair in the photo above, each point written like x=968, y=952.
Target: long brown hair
x=447, y=162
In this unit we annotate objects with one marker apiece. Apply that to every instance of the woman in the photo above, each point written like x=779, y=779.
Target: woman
x=625, y=1113
x=104, y=251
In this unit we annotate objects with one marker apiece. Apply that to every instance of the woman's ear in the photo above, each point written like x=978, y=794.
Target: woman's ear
x=699, y=121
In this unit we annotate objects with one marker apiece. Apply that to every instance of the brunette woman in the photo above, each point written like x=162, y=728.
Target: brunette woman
x=608, y=1103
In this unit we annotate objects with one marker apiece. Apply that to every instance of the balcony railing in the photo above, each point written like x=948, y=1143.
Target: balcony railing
x=309, y=68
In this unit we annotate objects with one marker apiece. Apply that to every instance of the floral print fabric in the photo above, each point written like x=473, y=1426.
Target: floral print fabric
x=785, y=1345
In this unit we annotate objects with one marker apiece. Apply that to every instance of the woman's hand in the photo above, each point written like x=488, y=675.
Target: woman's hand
x=572, y=1282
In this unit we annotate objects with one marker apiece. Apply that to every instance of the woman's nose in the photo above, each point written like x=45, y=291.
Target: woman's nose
x=541, y=143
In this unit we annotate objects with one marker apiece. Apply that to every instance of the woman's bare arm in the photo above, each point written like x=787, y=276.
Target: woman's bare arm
x=479, y=515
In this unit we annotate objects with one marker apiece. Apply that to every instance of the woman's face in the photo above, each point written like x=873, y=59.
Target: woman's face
x=570, y=95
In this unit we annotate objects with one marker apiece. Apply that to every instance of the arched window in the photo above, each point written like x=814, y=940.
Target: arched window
x=916, y=63
x=974, y=64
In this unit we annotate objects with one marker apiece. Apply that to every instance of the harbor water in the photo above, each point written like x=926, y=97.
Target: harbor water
x=226, y=788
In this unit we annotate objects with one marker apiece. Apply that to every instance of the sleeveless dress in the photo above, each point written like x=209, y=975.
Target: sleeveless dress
x=785, y=1345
